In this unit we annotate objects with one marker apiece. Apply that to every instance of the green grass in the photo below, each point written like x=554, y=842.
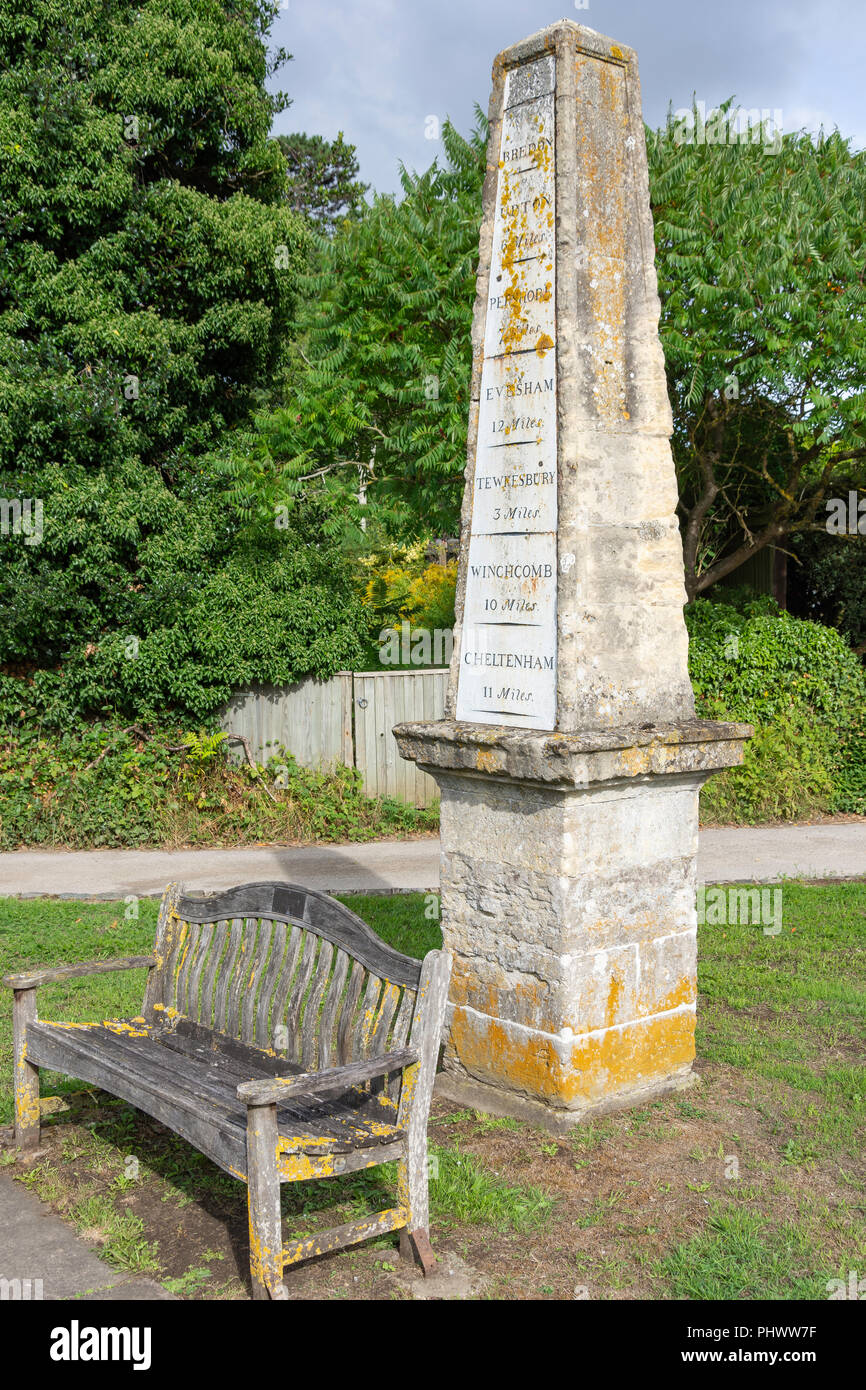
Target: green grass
x=792, y=1007
x=123, y=1241
x=120, y=1234
x=463, y=1190
x=738, y=1257
x=787, y=1009
x=399, y=918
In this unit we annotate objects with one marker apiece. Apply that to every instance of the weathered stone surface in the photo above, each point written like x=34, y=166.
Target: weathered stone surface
x=561, y=907
x=571, y=1074
x=613, y=419
x=570, y=760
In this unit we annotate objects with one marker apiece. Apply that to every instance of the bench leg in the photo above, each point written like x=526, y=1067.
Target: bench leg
x=414, y=1194
x=26, y=1074
x=263, y=1198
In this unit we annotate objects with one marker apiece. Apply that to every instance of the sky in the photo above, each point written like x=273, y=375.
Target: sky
x=379, y=69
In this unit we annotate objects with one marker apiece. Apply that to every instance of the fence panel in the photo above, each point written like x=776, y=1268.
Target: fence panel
x=383, y=699
x=347, y=719
x=312, y=719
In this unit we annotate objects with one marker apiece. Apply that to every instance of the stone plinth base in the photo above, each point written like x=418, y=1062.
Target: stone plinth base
x=568, y=881
x=463, y=1090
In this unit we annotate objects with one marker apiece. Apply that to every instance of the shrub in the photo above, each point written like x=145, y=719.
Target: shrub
x=215, y=607
x=787, y=773
x=105, y=785
x=758, y=660
x=802, y=688
x=399, y=584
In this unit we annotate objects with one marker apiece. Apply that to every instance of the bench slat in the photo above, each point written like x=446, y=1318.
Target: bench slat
x=404, y=1018
x=399, y=1037
x=336, y=1123
x=150, y=1066
x=205, y=941
x=345, y=1033
x=189, y=950
x=159, y=980
x=208, y=989
x=331, y=1005
x=240, y=975
x=299, y=989
x=226, y=973
x=363, y=1030
x=257, y=970
x=263, y=1035
x=284, y=984
x=310, y=1028
x=382, y=1024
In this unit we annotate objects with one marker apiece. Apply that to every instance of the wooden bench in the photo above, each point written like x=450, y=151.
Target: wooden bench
x=279, y=1036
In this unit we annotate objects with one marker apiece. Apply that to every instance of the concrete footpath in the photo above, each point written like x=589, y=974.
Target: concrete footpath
x=749, y=855
x=50, y=1261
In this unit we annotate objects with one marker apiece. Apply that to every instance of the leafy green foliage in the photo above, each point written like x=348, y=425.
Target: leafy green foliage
x=104, y=785
x=760, y=263
x=210, y=607
x=382, y=394
x=802, y=687
x=759, y=660
x=149, y=276
x=323, y=178
x=788, y=773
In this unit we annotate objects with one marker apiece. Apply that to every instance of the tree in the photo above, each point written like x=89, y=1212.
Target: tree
x=323, y=178
x=381, y=399
x=829, y=583
x=761, y=258
x=149, y=269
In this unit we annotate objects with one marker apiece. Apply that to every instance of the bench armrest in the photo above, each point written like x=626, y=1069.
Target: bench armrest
x=275, y=1089
x=30, y=979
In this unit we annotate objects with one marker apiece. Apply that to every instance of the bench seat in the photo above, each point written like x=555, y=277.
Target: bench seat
x=187, y=1077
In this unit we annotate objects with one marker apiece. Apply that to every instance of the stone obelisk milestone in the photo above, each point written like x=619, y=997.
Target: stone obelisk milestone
x=570, y=759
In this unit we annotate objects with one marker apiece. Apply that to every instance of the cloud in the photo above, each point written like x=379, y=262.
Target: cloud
x=376, y=69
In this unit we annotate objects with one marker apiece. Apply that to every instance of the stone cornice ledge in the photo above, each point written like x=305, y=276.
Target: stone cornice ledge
x=572, y=760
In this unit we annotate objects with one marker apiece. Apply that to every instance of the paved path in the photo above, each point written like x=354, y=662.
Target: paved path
x=36, y=1245
x=726, y=856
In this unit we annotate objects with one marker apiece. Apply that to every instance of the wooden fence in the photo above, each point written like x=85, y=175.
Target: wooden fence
x=347, y=719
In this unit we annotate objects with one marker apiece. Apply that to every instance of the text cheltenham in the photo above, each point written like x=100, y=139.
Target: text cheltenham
x=508, y=659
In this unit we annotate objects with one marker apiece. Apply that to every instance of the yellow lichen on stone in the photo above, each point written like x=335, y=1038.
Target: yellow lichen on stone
x=590, y=1068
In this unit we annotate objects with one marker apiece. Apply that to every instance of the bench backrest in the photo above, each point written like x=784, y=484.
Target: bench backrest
x=282, y=968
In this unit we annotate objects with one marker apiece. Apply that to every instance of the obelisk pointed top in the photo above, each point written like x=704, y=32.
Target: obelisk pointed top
x=570, y=590
x=582, y=38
